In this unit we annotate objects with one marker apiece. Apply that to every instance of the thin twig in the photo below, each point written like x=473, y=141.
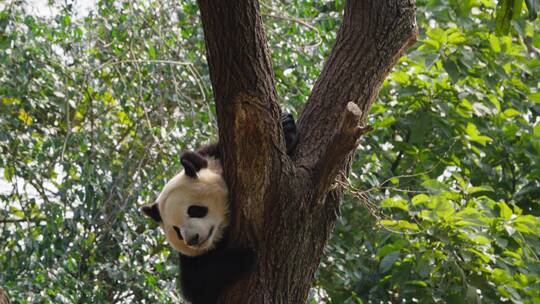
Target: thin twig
x=23, y=220
x=280, y=15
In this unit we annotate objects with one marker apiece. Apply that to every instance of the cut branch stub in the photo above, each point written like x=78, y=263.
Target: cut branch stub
x=351, y=122
x=344, y=140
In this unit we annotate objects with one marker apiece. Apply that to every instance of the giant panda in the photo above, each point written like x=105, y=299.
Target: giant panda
x=193, y=211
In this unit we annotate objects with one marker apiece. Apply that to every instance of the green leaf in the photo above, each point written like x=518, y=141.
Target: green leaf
x=505, y=211
x=9, y=171
x=420, y=127
x=16, y=212
x=420, y=199
x=24, y=117
x=501, y=276
x=527, y=224
x=452, y=69
x=480, y=239
x=472, y=190
x=474, y=135
x=417, y=283
x=387, y=121
x=470, y=217
x=423, y=266
x=494, y=42
x=443, y=207
x=511, y=113
x=388, y=261
x=152, y=52
x=400, y=77
x=400, y=225
x=395, y=202
x=66, y=20
x=434, y=186
x=456, y=38
x=9, y=100
x=395, y=246
x=472, y=297
x=537, y=129
x=482, y=255
x=535, y=97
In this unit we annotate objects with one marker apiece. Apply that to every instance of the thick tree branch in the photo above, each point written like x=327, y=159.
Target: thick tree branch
x=373, y=36
x=238, y=57
x=246, y=103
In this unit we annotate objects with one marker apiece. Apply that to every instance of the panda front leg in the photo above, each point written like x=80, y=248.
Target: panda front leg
x=289, y=131
x=204, y=278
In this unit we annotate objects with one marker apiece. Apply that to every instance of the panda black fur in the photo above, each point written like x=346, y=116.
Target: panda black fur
x=193, y=211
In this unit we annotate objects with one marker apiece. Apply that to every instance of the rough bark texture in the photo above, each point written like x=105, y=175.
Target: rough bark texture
x=3, y=297
x=283, y=206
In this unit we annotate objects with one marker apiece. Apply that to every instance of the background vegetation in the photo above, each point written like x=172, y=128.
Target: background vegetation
x=96, y=106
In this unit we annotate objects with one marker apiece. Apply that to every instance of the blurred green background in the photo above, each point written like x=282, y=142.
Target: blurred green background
x=98, y=99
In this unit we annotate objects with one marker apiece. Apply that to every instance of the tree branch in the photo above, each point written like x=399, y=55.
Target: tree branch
x=376, y=33
x=24, y=220
x=246, y=103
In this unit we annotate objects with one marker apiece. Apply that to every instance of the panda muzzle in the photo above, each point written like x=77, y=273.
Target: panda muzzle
x=193, y=239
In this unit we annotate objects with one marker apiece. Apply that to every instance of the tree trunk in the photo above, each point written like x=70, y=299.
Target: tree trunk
x=284, y=206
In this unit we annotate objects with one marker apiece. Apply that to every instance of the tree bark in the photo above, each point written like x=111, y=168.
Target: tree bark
x=3, y=297
x=283, y=206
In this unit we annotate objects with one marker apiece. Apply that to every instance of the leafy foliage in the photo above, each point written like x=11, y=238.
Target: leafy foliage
x=95, y=110
x=454, y=162
x=93, y=123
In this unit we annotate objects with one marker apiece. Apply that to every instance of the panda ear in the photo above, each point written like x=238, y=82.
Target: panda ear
x=192, y=162
x=152, y=211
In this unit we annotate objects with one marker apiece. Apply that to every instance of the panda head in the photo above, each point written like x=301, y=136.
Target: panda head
x=193, y=208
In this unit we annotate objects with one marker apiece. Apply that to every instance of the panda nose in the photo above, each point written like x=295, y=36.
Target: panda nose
x=194, y=240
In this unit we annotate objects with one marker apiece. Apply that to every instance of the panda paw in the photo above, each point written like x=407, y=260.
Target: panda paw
x=289, y=131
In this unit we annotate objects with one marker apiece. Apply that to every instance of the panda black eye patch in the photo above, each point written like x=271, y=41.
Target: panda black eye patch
x=197, y=211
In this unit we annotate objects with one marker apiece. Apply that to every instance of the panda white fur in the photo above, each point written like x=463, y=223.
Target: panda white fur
x=193, y=211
